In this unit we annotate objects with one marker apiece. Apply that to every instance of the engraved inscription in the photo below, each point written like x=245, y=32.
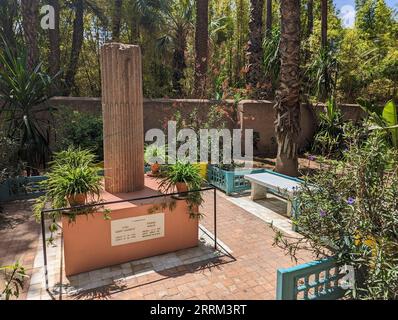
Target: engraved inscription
x=125, y=231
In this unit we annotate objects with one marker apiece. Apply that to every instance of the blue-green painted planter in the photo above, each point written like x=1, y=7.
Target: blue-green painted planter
x=230, y=181
x=317, y=280
x=24, y=188
x=21, y=188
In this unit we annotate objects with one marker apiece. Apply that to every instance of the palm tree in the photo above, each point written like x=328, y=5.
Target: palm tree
x=30, y=20
x=324, y=26
x=255, y=46
x=146, y=15
x=201, y=46
x=79, y=7
x=179, y=23
x=269, y=18
x=117, y=17
x=310, y=17
x=54, y=37
x=288, y=96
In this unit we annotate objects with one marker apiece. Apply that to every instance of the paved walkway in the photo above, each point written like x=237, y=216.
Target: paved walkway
x=249, y=274
x=19, y=237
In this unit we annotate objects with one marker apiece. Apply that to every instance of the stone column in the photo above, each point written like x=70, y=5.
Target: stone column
x=122, y=107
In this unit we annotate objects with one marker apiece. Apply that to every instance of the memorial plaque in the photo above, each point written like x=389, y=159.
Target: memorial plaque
x=137, y=229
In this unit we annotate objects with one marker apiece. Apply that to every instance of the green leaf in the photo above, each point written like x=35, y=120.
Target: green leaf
x=391, y=117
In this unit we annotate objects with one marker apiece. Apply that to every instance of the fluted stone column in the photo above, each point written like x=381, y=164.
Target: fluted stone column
x=122, y=107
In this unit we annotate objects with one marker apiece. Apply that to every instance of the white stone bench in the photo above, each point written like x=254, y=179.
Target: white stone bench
x=285, y=187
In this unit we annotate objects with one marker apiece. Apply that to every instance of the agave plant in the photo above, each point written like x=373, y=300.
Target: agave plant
x=22, y=90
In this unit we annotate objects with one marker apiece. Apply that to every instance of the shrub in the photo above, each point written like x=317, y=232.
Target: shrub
x=79, y=129
x=329, y=138
x=351, y=212
x=10, y=166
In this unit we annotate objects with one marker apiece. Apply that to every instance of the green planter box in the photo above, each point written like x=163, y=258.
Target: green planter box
x=21, y=188
x=230, y=181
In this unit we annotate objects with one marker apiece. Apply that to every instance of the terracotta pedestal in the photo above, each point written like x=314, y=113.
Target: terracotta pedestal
x=88, y=243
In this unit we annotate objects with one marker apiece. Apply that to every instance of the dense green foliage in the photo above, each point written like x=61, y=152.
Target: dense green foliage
x=349, y=210
x=79, y=129
x=9, y=164
x=361, y=61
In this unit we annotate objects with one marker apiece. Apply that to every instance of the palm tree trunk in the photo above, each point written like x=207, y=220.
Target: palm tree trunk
x=239, y=40
x=310, y=15
x=8, y=12
x=324, y=26
x=30, y=20
x=201, y=46
x=117, y=17
x=255, y=47
x=269, y=18
x=77, y=43
x=179, y=63
x=288, y=96
x=54, y=37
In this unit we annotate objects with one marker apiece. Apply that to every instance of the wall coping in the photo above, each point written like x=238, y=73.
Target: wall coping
x=199, y=101
x=164, y=100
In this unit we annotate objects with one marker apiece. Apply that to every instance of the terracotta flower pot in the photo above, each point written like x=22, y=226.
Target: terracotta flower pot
x=77, y=200
x=181, y=187
x=155, y=168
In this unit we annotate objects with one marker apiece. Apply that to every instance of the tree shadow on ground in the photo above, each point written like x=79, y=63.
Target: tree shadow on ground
x=105, y=292
x=13, y=214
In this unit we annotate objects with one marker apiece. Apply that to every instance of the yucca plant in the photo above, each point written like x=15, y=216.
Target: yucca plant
x=22, y=90
x=322, y=74
x=329, y=138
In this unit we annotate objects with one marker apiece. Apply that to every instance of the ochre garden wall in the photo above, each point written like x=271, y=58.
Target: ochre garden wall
x=249, y=114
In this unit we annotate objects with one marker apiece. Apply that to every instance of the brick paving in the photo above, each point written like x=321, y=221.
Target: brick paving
x=249, y=274
x=19, y=237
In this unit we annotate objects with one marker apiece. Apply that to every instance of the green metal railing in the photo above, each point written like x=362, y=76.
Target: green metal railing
x=317, y=280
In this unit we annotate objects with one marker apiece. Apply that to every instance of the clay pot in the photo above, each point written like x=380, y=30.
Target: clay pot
x=77, y=200
x=181, y=187
x=155, y=168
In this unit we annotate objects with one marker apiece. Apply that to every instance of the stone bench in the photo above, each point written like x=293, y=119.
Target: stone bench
x=283, y=186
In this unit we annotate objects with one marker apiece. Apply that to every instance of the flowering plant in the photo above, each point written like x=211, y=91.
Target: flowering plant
x=351, y=213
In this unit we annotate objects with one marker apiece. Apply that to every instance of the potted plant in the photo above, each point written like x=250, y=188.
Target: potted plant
x=184, y=177
x=153, y=155
x=73, y=180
